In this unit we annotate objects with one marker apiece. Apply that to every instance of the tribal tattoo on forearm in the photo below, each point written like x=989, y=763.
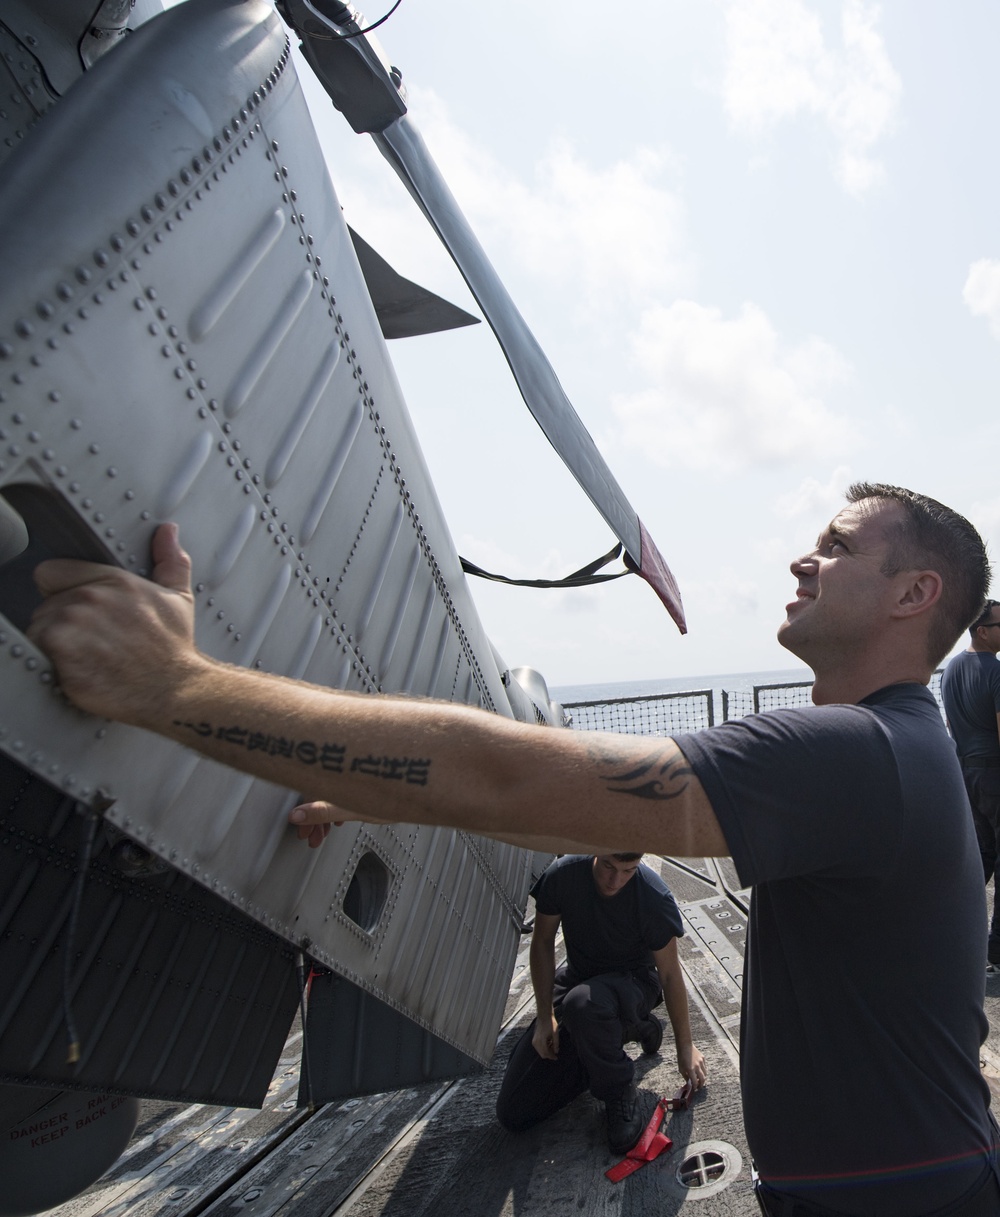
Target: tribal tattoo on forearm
x=661, y=775
x=331, y=757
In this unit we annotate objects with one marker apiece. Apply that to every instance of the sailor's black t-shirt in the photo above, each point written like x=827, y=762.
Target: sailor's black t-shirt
x=865, y=972
x=607, y=933
x=970, y=690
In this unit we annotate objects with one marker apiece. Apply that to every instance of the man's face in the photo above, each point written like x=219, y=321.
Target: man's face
x=988, y=634
x=611, y=874
x=842, y=594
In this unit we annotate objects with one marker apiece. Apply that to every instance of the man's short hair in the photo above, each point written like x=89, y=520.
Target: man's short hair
x=933, y=537
x=627, y=857
x=983, y=617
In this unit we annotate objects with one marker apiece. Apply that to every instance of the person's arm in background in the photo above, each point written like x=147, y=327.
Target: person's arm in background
x=542, y=959
x=690, y=1061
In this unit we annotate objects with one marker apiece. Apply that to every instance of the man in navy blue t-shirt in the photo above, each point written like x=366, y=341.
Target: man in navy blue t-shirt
x=620, y=927
x=863, y=998
x=970, y=690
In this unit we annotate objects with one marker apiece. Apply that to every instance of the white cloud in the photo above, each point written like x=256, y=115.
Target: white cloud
x=900, y=423
x=604, y=238
x=729, y=594
x=579, y=602
x=986, y=517
x=485, y=552
x=779, y=65
x=982, y=292
x=614, y=231
x=774, y=551
x=725, y=394
x=814, y=498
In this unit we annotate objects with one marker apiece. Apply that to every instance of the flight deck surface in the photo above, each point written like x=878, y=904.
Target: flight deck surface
x=437, y=1151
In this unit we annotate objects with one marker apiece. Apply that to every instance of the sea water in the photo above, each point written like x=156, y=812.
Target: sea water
x=731, y=681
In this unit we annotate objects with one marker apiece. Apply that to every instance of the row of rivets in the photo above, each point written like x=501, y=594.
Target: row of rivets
x=357, y=372
x=33, y=94
x=352, y=353
x=64, y=291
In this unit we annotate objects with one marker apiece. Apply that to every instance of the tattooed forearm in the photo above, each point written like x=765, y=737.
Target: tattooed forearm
x=322, y=755
x=658, y=776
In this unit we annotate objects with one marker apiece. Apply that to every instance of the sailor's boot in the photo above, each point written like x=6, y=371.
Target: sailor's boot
x=624, y=1120
x=650, y=1035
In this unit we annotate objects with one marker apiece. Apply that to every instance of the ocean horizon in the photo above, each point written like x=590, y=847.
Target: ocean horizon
x=730, y=681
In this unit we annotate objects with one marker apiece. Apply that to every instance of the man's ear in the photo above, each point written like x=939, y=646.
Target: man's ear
x=919, y=591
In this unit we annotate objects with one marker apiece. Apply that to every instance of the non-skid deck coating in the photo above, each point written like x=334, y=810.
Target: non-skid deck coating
x=437, y=1150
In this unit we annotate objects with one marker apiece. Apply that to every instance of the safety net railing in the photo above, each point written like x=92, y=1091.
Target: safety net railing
x=692, y=709
x=657, y=714
x=738, y=703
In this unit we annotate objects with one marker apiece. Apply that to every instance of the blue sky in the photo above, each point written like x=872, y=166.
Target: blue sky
x=759, y=241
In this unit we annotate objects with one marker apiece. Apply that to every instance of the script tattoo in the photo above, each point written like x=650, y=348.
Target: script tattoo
x=331, y=757
x=661, y=775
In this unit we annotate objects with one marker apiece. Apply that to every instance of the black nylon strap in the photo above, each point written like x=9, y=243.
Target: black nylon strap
x=579, y=578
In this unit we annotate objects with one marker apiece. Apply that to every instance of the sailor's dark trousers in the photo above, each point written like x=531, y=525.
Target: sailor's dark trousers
x=982, y=1200
x=596, y=1017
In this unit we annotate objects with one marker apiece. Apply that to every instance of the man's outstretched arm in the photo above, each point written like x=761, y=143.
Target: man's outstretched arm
x=123, y=648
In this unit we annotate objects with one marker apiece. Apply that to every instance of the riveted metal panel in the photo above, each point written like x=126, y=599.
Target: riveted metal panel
x=185, y=333
x=26, y=92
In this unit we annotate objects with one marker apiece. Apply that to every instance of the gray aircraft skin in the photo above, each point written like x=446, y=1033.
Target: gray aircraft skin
x=189, y=331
